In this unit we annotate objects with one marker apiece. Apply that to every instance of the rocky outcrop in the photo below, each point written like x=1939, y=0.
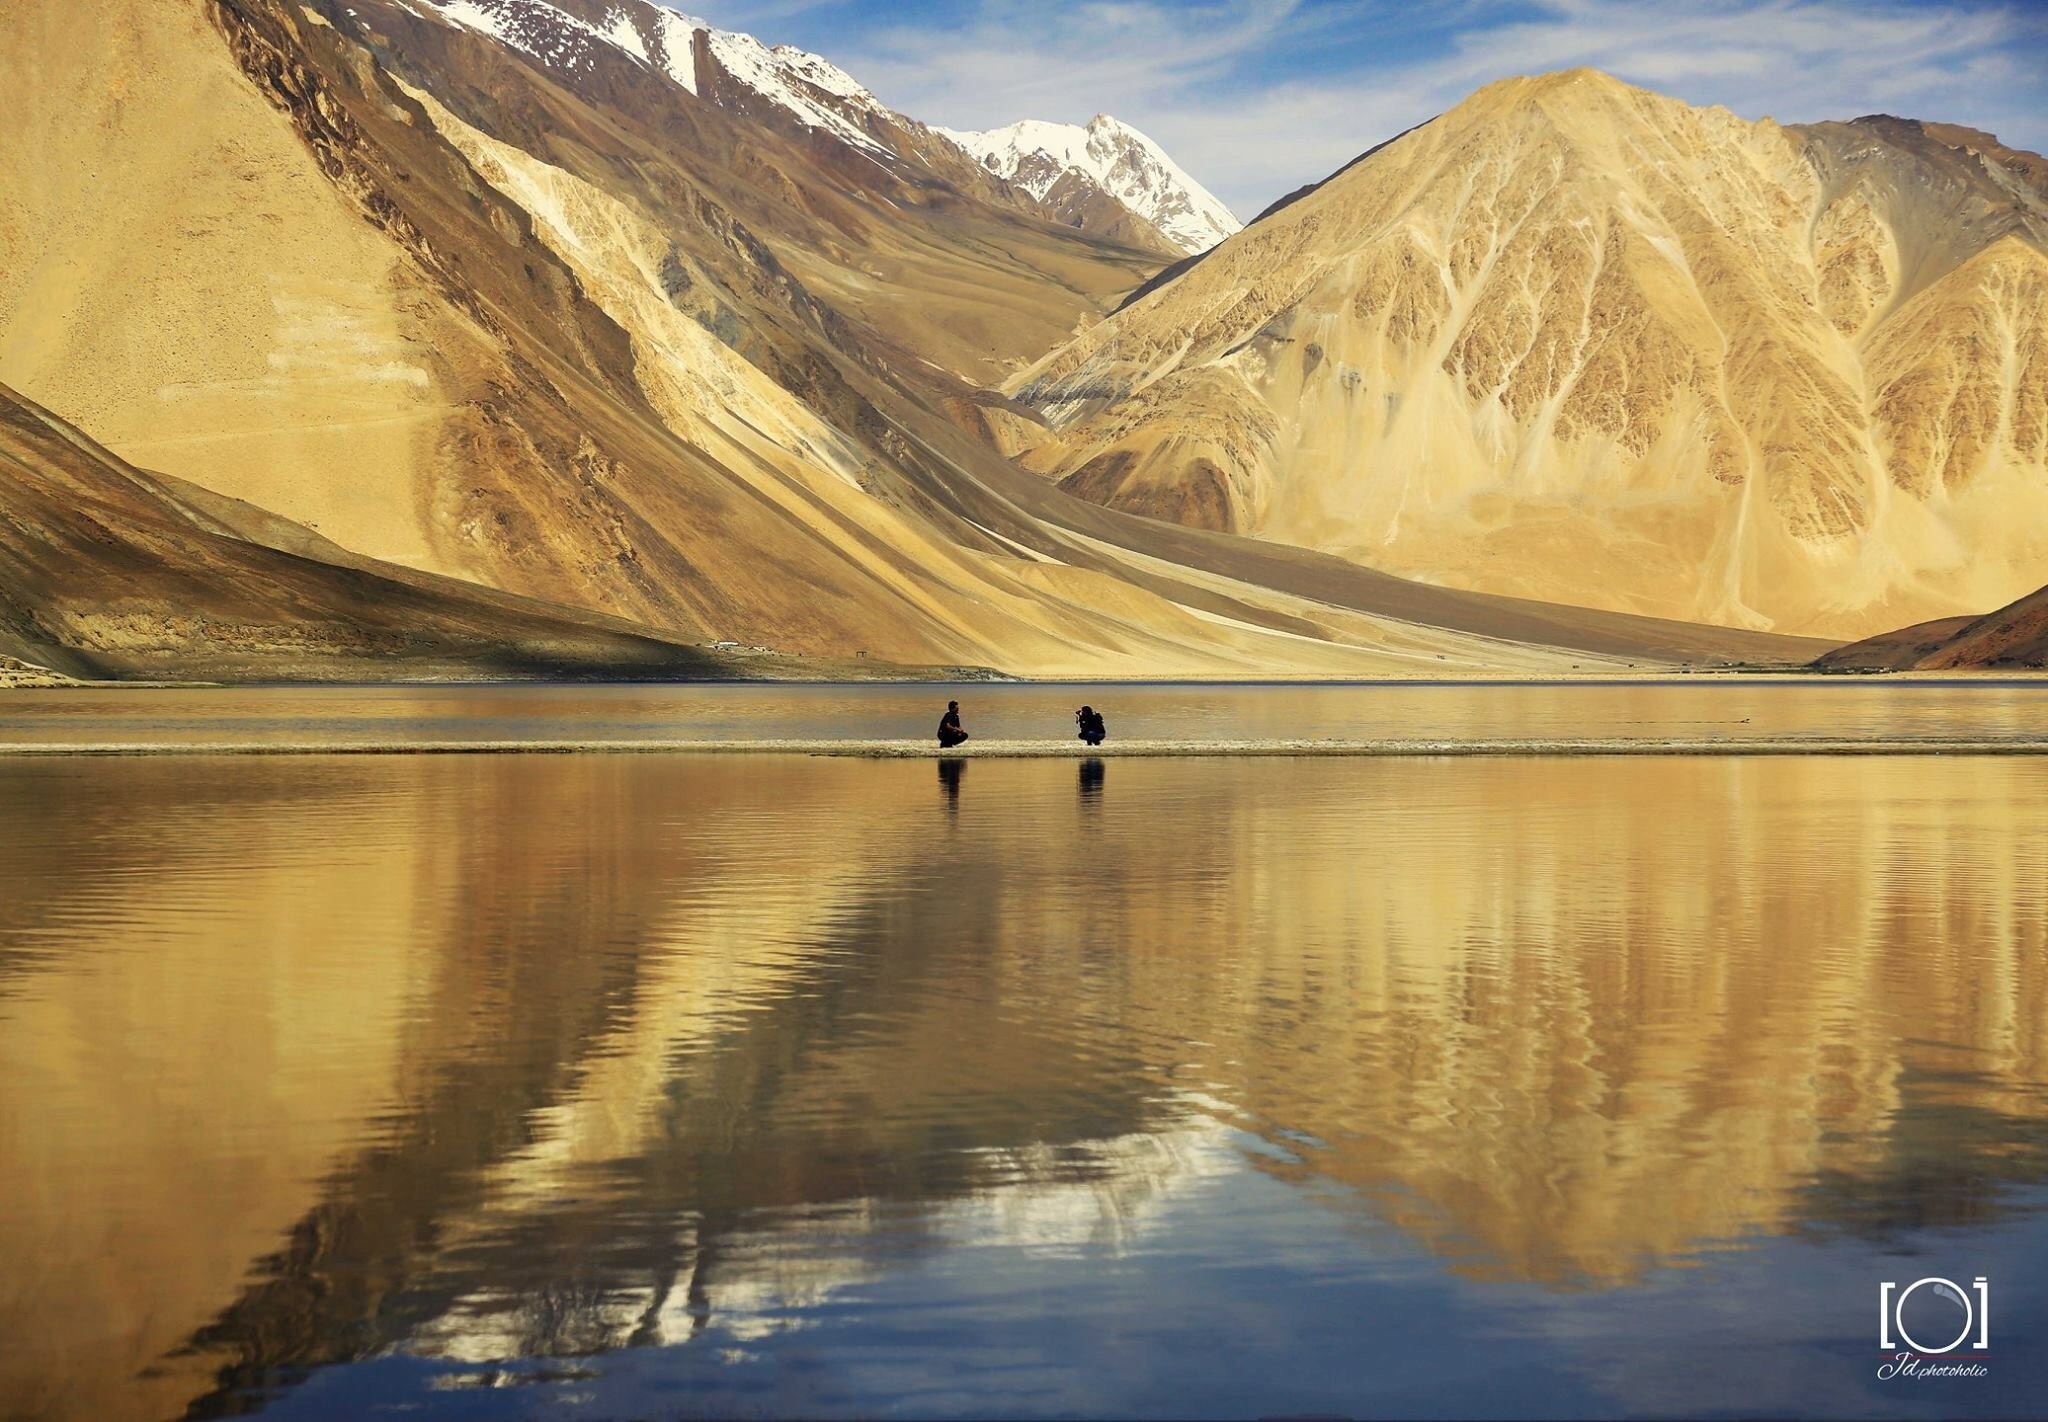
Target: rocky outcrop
x=15, y=672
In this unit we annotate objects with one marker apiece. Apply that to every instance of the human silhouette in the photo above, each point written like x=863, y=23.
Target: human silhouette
x=1093, y=729
x=950, y=734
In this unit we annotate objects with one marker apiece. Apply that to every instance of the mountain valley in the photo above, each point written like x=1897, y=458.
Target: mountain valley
x=641, y=334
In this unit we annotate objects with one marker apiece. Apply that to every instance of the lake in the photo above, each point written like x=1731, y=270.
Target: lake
x=630, y=1086
x=1762, y=708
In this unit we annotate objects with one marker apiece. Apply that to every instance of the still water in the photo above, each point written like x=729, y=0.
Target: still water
x=614, y=1086
x=1722, y=708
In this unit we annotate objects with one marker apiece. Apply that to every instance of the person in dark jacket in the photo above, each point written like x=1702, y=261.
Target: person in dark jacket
x=1093, y=730
x=950, y=734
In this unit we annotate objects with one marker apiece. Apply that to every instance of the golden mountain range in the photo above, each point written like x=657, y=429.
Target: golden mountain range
x=1579, y=342
x=567, y=339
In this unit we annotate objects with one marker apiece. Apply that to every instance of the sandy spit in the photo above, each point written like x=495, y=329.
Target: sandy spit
x=1060, y=750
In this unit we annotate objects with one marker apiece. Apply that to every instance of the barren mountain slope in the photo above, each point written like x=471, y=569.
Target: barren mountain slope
x=2014, y=638
x=509, y=313
x=239, y=250
x=875, y=212
x=1580, y=342
x=109, y=571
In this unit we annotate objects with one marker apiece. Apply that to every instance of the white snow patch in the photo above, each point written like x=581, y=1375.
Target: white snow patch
x=1115, y=158
x=779, y=75
x=618, y=28
x=679, y=55
x=471, y=15
x=817, y=92
x=821, y=73
x=556, y=38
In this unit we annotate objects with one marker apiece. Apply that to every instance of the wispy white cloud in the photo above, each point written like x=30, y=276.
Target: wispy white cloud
x=1255, y=97
x=753, y=15
x=1081, y=55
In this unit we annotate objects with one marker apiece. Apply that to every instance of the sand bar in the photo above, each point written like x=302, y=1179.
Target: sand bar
x=1055, y=750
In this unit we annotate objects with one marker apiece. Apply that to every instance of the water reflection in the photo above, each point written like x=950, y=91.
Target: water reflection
x=485, y=1060
x=951, y=769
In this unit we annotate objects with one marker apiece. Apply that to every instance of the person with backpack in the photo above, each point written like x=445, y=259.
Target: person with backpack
x=1093, y=729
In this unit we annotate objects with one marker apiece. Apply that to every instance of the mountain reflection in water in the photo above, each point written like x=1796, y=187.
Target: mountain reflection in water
x=486, y=1060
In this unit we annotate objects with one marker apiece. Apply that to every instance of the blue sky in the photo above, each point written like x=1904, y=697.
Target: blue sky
x=1255, y=97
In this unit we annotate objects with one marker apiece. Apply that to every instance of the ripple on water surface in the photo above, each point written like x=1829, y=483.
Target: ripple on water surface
x=773, y=1084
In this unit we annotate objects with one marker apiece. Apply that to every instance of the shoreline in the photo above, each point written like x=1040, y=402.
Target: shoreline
x=985, y=681
x=1608, y=677
x=1062, y=750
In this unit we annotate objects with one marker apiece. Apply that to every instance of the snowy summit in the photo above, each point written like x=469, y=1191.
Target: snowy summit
x=818, y=93
x=1114, y=158
x=1070, y=169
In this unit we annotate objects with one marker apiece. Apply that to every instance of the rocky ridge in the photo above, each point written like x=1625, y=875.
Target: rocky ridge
x=1576, y=341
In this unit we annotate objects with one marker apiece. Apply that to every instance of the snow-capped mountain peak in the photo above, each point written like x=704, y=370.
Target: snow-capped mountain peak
x=558, y=39
x=809, y=86
x=1114, y=158
x=821, y=73
x=815, y=91
x=1078, y=173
